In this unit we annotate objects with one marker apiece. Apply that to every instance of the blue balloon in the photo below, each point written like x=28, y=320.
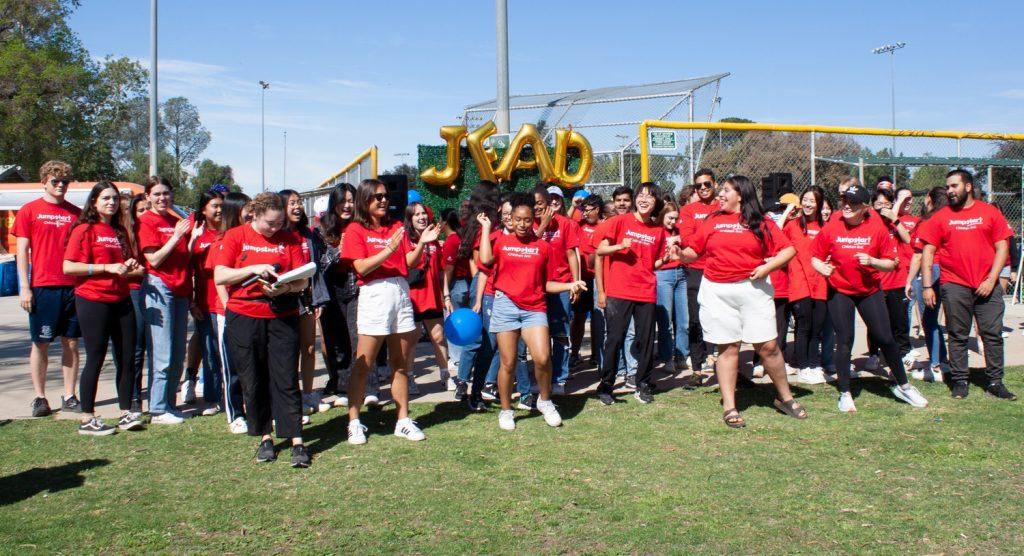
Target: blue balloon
x=414, y=197
x=463, y=327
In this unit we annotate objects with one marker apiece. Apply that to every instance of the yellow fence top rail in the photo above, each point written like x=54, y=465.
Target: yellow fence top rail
x=370, y=152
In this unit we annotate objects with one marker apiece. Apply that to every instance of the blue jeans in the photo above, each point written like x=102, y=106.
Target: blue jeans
x=459, y=293
x=207, y=330
x=934, y=339
x=138, y=302
x=559, y=318
x=470, y=350
x=672, y=314
x=597, y=328
x=166, y=318
x=627, y=364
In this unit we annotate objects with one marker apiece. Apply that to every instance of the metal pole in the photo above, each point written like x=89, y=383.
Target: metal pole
x=501, y=115
x=690, y=131
x=152, y=90
x=988, y=189
x=892, y=97
x=263, y=145
x=284, y=171
x=813, y=181
x=860, y=170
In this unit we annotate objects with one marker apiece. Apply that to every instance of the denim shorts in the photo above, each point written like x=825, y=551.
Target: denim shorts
x=506, y=316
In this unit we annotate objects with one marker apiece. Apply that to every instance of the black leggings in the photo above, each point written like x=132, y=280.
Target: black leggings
x=338, y=324
x=102, y=323
x=876, y=317
x=896, y=303
x=810, y=317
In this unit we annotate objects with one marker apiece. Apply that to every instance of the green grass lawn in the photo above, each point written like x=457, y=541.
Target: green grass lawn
x=668, y=477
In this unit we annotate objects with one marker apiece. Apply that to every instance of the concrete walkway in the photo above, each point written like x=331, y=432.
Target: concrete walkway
x=16, y=386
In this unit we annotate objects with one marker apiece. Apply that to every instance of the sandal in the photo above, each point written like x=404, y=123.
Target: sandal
x=733, y=419
x=791, y=408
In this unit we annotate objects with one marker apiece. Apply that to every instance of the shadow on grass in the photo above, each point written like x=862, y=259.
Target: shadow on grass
x=763, y=395
x=20, y=486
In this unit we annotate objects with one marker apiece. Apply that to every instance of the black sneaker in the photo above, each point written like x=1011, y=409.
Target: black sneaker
x=130, y=421
x=631, y=382
x=476, y=405
x=265, y=452
x=998, y=389
x=489, y=393
x=959, y=390
x=680, y=364
x=300, y=456
x=605, y=398
x=527, y=402
x=70, y=405
x=643, y=394
x=460, y=390
x=40, y=407
x=95, y=427
x=136, y=406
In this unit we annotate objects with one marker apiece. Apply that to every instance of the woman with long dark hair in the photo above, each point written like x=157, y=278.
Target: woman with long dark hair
x=208, y=216
x=808, y=290
x=131, y=210
x=99, y=255
x=741, y=248
x=934, y=338
x=234, y=213
x=376, y=247
x=262, y=324
x=851, y=251
x=164, y=242
x=425, y=283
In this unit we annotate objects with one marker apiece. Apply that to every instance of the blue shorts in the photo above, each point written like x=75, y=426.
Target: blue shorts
x=506, y=316
x=53, y=314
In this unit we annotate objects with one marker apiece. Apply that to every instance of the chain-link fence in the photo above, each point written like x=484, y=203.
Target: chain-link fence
x=362, y=167
x=801, y=156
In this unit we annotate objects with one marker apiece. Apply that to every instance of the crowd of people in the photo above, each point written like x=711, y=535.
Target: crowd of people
x=669, y=282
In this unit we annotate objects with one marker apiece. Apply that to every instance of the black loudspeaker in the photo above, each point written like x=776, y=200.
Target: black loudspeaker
x=398, y=194
x=774, y=186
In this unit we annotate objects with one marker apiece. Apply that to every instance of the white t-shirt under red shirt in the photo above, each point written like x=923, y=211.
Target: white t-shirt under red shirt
x=155, y=230
x=839, y=243
x=522, y=269
x=730, y=250
x=97, y=244
x=46, y=226
x=361, y=242
x=629, y=274
x=965, y=241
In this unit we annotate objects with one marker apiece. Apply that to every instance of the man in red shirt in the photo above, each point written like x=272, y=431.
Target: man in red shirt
x=971, y=239
x=690, y=218
x=42, y=227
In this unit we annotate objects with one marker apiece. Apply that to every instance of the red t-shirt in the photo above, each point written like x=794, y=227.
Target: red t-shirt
x=521, y=270
x=587, y=249
x=209, y=265
x=243, y=246
x=690, y=218
x=780, y=283
x=46, y=226
x=897, y=279
x=426, y=296
x=562, y=234
x=629, y=274
x=965, y=241
x=97, y=244
x=669, y=237
x=205, y=292
x=450, y=257
x=804, y=281
x=730, y=250
x=155, y=230
x=361, y=242
x=486, y=270
x=839, y=243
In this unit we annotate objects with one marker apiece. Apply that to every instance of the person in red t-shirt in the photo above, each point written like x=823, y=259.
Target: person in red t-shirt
x=971, y=239
x=376, y=247
x=851, y=252
x=457, y=275
x=262, y=323
x=523, y=272
x=98, y=255
x=808, y=290
x=131, y=209
x=425, y=282
x=690, y=218
x=741, y=248
x=635, y=247
x=164, y=242
x=673, y=311
x=934, y=339
x=41, y=228
x=590, y=210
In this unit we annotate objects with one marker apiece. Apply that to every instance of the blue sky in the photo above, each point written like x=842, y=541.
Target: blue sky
x=346, y=75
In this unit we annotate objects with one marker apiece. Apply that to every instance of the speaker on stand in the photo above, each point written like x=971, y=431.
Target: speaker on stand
x=398, y=194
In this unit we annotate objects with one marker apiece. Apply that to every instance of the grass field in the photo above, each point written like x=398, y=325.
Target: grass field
x=668, y=477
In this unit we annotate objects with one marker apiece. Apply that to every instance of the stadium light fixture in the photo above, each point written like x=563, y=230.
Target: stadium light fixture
x=891, y=49
x=263, y=145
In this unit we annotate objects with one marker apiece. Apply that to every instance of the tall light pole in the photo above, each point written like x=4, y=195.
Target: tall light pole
x=263, y=146
x=891, y=49
x=152, y=89
x=501, y=117
x=284, y=170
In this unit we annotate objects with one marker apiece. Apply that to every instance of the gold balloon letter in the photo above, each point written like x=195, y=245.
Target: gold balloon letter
x=527, y=135
x=564, y=139
x=483, y=158
x=452, y=134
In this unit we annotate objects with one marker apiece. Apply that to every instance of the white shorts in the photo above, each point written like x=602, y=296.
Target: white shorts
x=737, y=312
x=384, y=308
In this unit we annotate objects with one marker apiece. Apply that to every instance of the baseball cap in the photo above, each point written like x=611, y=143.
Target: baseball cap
x=555, y=190
x=582, y=194
x=856, y=194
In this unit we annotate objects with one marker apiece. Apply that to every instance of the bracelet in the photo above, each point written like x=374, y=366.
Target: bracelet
x=90, y=269
x=927, y=288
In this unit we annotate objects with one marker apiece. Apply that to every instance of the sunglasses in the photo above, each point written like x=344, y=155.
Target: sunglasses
x=380, y=197
x=61, y=181
x=706, y=185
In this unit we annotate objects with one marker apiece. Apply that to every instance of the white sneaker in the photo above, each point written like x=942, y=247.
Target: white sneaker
x=791, y=370
x=871, y=364
x=406, y=428
x=550, y=413
x=846, y=403
x=371, y=399
x=239, y=426
x=811, y=376
x=936, y=374
x=451, y=386
x=910, y=395
x=414, y=389
x=341, y=400
x=507, y=420
x=356, y=433
x=918, y=374
x=212, y=410
x=758, y=371
x=166, y=419
x=306, y=419
x=909, y=360
x=557, y=389
x=188, y=392
x=323, y=406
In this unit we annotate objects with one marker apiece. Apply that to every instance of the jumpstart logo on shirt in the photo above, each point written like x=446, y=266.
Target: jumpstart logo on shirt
x=550, y=236
x=205, y=244
x=520, y=252
x=166, y=230
x=966, y=224
x=645, y=239
x=55, y=219
x=263, y=248
x=856, y=242
x=730, y=227
x=108, y=241
x=378, y=243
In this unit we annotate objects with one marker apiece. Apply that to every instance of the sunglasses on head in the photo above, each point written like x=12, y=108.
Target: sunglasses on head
x=706, y=185
x=63, y=181
x=380, y=197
